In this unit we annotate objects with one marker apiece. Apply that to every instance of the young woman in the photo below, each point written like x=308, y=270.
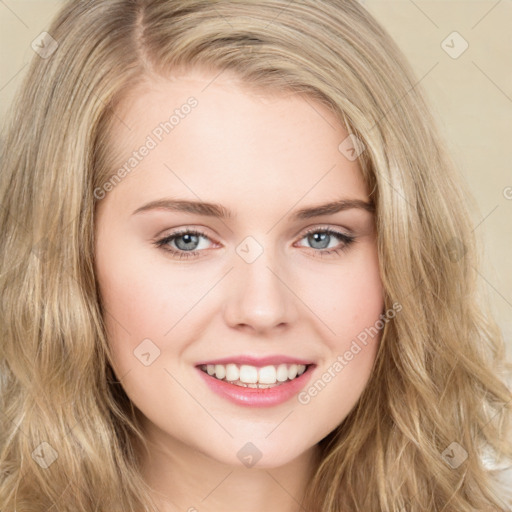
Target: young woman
x=238, y=272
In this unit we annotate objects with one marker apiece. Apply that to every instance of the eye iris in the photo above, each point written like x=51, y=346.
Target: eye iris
x=322, y=237
x=190, y=239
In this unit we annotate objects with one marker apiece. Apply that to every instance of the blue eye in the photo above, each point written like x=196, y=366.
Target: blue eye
x=186, y=242
x=324, y=236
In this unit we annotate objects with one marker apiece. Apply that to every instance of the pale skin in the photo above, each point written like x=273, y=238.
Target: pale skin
x=263, y=156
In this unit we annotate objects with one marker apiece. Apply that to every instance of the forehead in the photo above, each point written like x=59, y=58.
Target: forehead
x=217, y=137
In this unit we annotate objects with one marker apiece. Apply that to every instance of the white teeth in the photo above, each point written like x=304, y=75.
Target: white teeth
x=282, y=373
x=232, y=372
x=254, y=377
x=220, y=371
x=248, y=374
x=267, y=375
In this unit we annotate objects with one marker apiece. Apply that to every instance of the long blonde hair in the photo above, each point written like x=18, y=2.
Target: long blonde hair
x=438, y=381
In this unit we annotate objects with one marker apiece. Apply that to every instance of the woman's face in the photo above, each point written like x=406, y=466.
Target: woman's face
x=253, y=295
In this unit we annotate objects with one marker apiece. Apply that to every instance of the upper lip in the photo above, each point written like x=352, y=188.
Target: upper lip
x=257, y=361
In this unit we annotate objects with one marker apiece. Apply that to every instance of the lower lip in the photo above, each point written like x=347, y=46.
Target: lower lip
x=254, y=397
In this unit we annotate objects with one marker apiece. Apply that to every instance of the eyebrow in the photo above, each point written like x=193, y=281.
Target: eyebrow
x=219, y=211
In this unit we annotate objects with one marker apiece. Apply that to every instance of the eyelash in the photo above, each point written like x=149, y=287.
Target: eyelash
x=347, y=240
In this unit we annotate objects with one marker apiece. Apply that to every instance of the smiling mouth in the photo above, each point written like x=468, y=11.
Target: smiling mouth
x=255, y=377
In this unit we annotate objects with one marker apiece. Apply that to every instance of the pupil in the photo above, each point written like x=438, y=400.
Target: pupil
x=190, y=239
x=324, y=239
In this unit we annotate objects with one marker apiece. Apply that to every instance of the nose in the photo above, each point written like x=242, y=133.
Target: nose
x=260, y=296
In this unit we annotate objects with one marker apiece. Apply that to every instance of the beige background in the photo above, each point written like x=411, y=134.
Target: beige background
x=471, y=96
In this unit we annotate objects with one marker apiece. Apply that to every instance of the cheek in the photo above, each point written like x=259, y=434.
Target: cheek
x=347, y=297
x=142, y=295
x=147, y=298
x=139, y=304
x=350, y=302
